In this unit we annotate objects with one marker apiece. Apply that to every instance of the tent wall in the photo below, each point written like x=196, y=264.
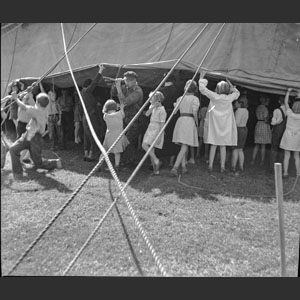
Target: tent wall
x=257, y=55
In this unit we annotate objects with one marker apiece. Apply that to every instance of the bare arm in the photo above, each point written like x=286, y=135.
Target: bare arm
x=286, y=99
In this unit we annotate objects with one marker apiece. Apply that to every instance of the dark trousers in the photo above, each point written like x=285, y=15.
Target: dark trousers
x=21, y=128
x=89, y=143
x=35, y=148
x=55, y=130
x=67, y=125
x=276, y=154
x=130, y=155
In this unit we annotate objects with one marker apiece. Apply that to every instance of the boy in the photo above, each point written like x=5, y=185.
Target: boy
x=32, y=138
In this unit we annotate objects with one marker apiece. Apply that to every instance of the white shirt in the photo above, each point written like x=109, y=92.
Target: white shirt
x=241, y=117
x=277, y=115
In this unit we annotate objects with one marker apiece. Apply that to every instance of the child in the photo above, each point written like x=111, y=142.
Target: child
x=290, y=141
x=201, y=133
x=278, y=122
x=54, y=120
x=262, y=133
x=157, y=121
x=114, y=124
x=23, y=119
x=241, y=118
x=221, y=126
x=185, y=131
x=32, y=138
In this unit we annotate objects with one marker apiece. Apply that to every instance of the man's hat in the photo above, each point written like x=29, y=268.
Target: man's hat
x=130, y=74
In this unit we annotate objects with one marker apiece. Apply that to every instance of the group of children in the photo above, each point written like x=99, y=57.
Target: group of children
x=222, y=123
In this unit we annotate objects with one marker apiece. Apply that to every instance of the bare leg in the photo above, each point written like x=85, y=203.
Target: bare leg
x=263, y=153
x=234, y=158
x=255, y=150
x=297, y=162
x=223, y=156
x=172, y=158
x=212, y=153
x=286, y=160
x=241, y=159
x=181, y=155
x=117, y=159
x=76, y=132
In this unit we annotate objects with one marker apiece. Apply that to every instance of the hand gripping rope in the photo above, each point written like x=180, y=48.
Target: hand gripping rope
x=75, y=192
x=126, y=200
x=113, y=173
x=98, y=164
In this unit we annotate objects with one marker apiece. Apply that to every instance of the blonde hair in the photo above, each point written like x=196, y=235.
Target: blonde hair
x=158, y=96
x=296, y=107
x=223, y=88
x=110, y=104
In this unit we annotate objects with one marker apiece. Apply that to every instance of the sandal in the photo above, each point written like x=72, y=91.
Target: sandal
x=174, y=172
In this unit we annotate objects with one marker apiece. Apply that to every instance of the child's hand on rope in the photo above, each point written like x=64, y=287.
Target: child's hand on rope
x=101, y=68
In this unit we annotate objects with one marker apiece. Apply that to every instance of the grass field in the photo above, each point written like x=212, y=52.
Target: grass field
x=211, y=225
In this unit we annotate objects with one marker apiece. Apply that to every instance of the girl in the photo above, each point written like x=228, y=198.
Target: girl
x=290, y=141
x=262, y=133
x=241, y=118
x=185, y=131
x=157, y=121
x=114, y=126
x=201, y=132
x=221, y=130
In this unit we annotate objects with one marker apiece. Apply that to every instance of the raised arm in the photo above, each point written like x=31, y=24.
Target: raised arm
x=286, y=99
x=95, y=81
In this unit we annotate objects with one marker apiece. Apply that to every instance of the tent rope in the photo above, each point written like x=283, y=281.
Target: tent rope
x=126, y=200
x=71, y=197
x=12, y=62
x=58, y=62
x=101, y=159
x=237, y=194
x=113, y=173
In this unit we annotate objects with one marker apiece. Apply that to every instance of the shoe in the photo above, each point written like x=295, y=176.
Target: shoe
x=191, y=161
x=210, y=170
x=156, y=168
x=233, y=170
x=174, y=172
x=184, y=170
x=155, y=173
x=223, y=170
x=285, y=176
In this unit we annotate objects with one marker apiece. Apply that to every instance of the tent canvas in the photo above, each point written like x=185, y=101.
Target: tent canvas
x=259, y=56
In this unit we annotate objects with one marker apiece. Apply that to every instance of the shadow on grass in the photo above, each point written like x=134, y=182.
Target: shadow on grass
x=256, y=183
x=41, y=178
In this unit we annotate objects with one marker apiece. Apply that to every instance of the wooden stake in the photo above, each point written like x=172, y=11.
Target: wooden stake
x=279, y=196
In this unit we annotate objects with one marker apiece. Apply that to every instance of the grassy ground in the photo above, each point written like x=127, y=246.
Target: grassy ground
x=210, y=225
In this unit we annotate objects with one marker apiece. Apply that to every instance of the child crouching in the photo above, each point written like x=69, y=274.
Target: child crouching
x=31, y=139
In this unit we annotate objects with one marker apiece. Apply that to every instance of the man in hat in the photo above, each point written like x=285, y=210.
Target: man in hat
x=132, y=97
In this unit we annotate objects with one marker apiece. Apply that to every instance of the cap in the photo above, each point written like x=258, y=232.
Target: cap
x=130, y=74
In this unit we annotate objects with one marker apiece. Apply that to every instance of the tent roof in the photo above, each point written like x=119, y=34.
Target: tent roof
x=259, y=56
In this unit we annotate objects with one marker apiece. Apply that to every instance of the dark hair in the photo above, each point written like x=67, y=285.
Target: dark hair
x=193, y=86
x=171, y=78
x=130, y=74
x=87, y=82
x=42, y=99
